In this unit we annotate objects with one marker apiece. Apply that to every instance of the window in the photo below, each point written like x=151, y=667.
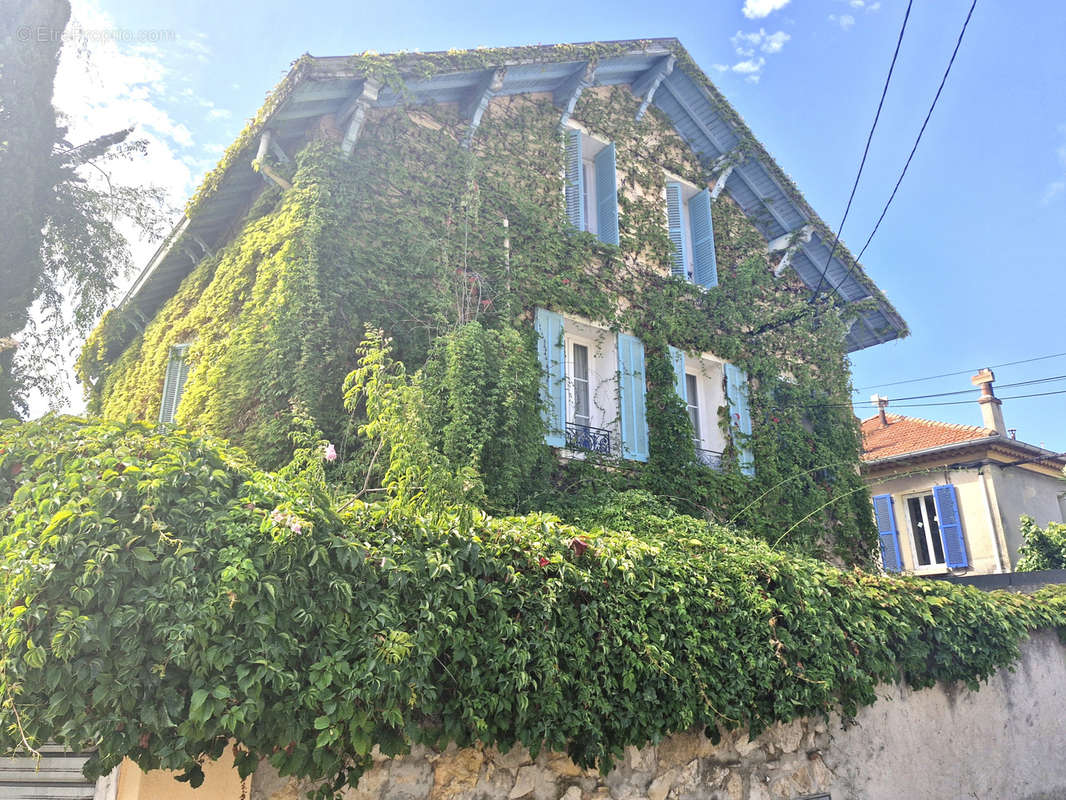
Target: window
x=593, y=387
x=591, y=186
x=936, y=529
x=580, y=360
x=691, y=230
x=692, y=397
x=700, y=383
x=925, y=531
x=174, y=382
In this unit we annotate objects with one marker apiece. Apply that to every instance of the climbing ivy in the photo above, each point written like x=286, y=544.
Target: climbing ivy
x=449, y=249
x=161, y=599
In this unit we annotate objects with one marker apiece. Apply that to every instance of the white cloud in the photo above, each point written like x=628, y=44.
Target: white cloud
x=861, y=5
x=218, y=113
x=757, y=9
x=746, y=44
x=845, y=21
x=748, y=47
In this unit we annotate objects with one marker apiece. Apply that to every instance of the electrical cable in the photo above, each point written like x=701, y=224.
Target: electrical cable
x=960, y=372
x=865, y=152
x=922, y=405
x=974, y=389
x=914, y=149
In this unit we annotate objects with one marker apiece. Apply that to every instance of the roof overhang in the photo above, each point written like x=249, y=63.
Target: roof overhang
x=318, y=86
x=973, y=452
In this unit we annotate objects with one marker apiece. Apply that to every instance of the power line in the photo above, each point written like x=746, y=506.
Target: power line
x=974, y=389
x=960, y=372
x=865, y=152
x=895, y=189
x=827, y=404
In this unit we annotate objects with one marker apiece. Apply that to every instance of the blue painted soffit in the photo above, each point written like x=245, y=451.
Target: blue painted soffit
x=318, y=86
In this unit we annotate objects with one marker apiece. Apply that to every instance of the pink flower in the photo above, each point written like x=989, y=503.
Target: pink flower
x=277, y=517
x=294, y=525
x=544, y=562
x=330, y=453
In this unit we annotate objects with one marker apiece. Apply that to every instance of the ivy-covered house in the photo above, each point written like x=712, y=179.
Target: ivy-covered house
x=583, y=249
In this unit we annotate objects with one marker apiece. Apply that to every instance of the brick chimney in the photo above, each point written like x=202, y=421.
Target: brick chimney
x=991, y=406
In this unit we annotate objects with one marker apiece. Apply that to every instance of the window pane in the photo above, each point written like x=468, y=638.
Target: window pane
x=693, y=404
x=914, y=511
x=934, y=528
x=581, y=384
x=589, y=187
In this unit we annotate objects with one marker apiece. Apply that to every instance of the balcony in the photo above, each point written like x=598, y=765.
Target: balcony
x=585, y=437
x=709, y=458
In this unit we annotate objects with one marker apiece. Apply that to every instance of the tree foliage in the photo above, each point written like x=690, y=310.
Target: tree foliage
x=1042, y=548
x=63, y=252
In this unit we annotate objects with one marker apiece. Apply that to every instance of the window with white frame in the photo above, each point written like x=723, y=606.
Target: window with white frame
x=591, y=187
x=924, y=524
x=704, y=396
x=591, y=391
x=691, y=231
x=692, y=399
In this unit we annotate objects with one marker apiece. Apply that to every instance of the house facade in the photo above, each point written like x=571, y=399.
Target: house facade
x=604, y=200
x=948, y=498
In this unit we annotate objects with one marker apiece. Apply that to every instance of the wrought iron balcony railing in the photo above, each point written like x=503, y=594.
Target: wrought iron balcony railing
x=709, y=458
x=585, y=437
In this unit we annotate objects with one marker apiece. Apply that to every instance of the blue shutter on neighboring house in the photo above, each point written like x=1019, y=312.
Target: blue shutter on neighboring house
x=677, y=358
x=704, y=265
x=606, y=196
x=675, y=224
x=575, y=181
x=737, y=393
x=552, y=354
x=947, y=516
x=886, y=533
x=631, y=388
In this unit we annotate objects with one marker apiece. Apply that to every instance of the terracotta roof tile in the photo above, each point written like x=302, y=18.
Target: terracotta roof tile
x=910, y=434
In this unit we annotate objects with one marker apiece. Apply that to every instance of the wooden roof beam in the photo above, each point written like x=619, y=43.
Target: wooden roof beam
x=567, y=93
x=645, y=85
x=790, y=243
x=354, y=112
x=478, y=100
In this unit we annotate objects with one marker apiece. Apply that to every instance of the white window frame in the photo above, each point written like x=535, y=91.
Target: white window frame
x=709, y=373
x=688, y=191
x=933, y=567
x=602, y=347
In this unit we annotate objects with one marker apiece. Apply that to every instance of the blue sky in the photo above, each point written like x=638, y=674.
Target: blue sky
x=970, y=252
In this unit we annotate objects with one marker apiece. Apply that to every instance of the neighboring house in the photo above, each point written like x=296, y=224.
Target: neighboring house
x=949, y=497
x=165, y=354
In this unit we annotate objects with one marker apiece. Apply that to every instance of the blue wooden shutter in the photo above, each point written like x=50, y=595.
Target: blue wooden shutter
x=174, y=383
x=886, y=533
x=704, y=265
x=677, y=358
x=675, y=224
x=606, y=196
x=552, y=354
x=947, y=517
x=575, y=181
x=737, y=393
x=631, y=387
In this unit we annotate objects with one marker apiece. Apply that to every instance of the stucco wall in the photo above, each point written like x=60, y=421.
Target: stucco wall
x=220, y=783
x=1020, y=491
x=976, y=528
x=1004, y=742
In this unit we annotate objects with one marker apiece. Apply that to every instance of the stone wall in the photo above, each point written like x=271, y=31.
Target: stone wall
x=1001, y=743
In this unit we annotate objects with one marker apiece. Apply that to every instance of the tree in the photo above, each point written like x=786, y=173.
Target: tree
x=1042, y=548
x=62, y=250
